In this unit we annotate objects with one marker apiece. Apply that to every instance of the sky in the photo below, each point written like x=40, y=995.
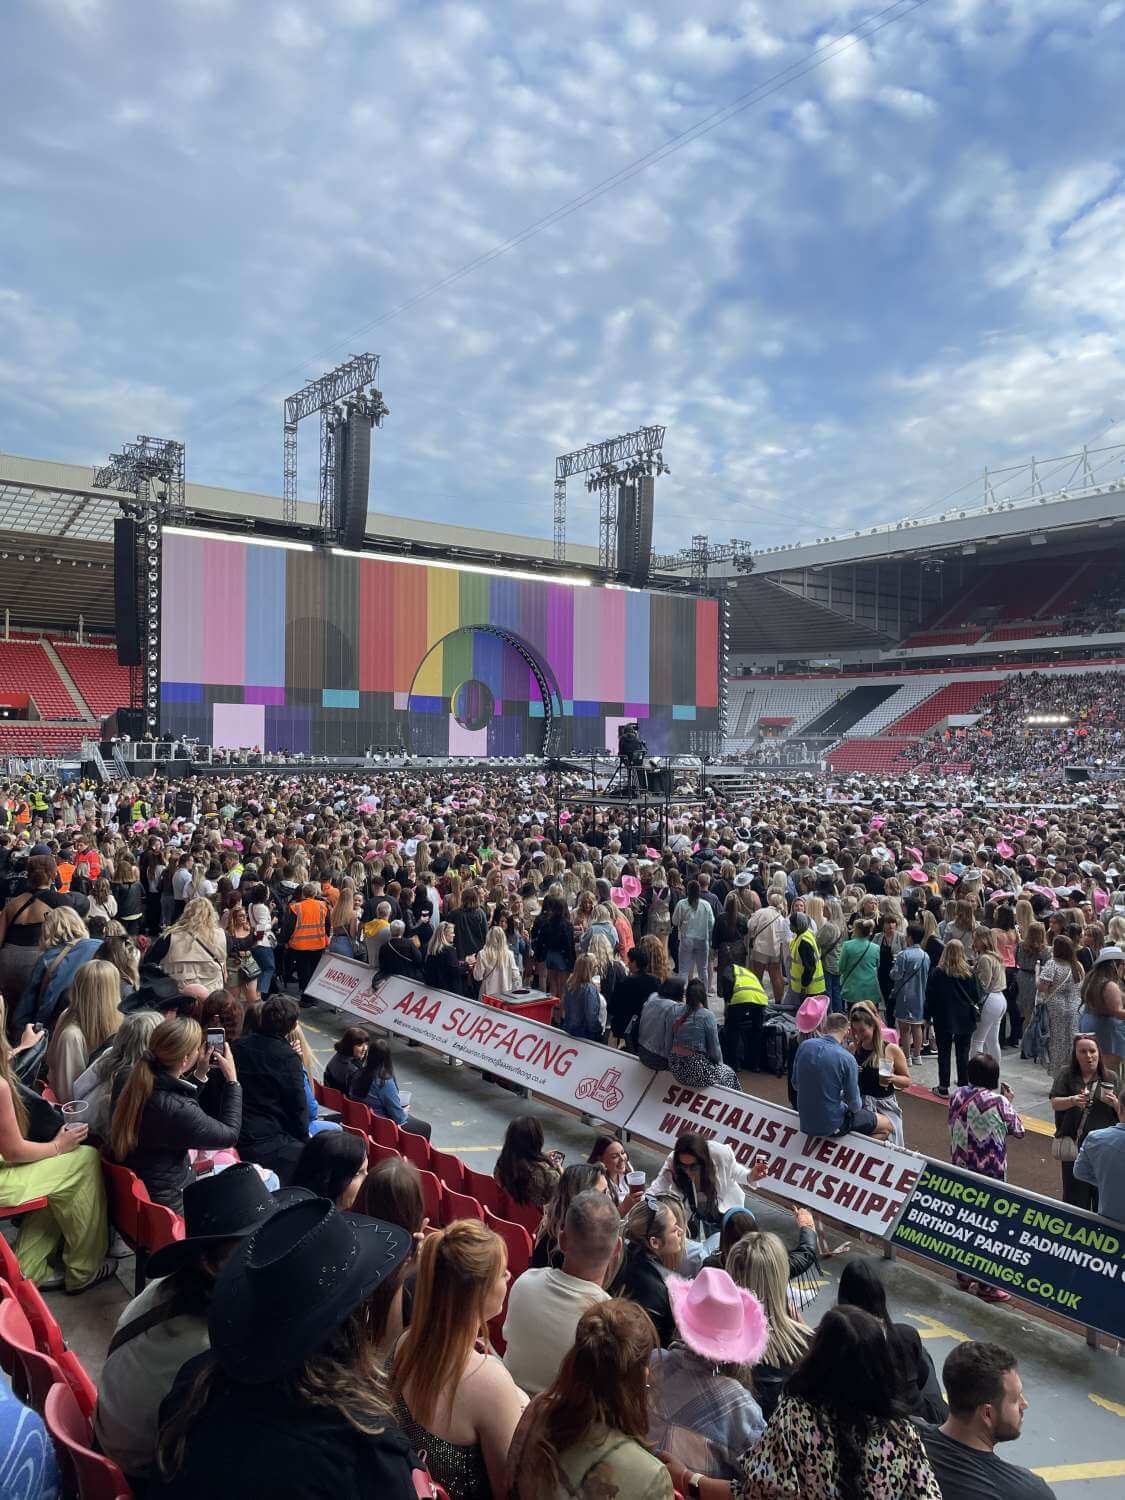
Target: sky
x=904, y=259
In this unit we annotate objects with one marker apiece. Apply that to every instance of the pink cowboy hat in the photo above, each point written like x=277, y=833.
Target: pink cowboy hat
x=717, y=1319
x=618, y=897
x=631, y=886
x=918, y=876
x=1005, y=851
x=812, y=1012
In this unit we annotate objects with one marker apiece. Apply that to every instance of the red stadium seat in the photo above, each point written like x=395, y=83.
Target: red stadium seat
x=77, y=1377
x=357, y=1115
x=331, y=1098
x=431, y=1198
x=9, y=1263
x=384, y=1131
x=526, y=1214
x=377, y=1153
x=415, y=1148
x=126, y=1192
x=32, y=1373
x=459, y=1206
x=448, y=1168
x=90, y=1475
x=515, y=1237
x=28, y=1207
x=485, y=1189
x=48, y=1334
x=158, y=1226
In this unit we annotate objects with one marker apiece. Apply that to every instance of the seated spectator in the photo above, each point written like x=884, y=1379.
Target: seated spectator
x=702, y=1413
x=826, y=1078
x=587, y=1434
x=392, y=1192
x=986, y=1407
x=67, y=945
x=760, y=1263
x=69, y=1175
x=275, y=1113
x=736, y=1223
x=862, y=1286
x=166, y=1325
x=545, y=1304
x=301, y=1046
x=654, y=1029
x=85, y=1026
x=839, y=1431
x=582, y=1177
x=609, y=1153
x=374, y=1085
x=159, y=1115
x=348, y=1054
x=455, y=1401
x=249, y=1417
x=654, y=1247
x=1101, y=1163
x=333, y=1165
x=95, y=1085
x=695, y=1057
x=522, y=1169
x=707, y=1177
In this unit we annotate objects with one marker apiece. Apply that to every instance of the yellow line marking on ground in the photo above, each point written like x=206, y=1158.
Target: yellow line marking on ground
x=933, y=1328
x=1037, y=1127
x=1108, y=1468
x=1113, y=1406
x=460, y=1150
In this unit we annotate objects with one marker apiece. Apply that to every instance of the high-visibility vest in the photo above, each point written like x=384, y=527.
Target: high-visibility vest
x=309, y=932
x=747, y=988
x=66, y=875
x=39, y=803
x=815, y=985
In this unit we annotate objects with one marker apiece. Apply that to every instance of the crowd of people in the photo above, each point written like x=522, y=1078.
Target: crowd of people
x=155, y=943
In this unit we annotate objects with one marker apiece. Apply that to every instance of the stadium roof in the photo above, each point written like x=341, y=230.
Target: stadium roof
x=765, y=617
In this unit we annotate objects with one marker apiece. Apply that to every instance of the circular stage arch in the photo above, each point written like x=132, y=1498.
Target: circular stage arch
x=482, y=690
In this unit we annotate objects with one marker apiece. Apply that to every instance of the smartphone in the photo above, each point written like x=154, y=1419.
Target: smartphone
x=635, y=1179
x=558, y=1157
x=216, y=1039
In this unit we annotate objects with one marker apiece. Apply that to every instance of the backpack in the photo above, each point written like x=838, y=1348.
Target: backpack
x=779, y=1038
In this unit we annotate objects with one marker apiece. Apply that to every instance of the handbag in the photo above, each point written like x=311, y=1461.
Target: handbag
x=1065, y=1147
x=247, y=968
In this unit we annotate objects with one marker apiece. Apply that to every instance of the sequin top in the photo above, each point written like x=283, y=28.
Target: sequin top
x=458, y=1467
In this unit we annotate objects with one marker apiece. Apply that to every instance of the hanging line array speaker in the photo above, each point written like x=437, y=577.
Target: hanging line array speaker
x=353, y=478
x=126, y=618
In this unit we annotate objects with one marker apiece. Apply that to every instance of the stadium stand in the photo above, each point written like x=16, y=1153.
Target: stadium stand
x=40, y=738
x=848, y=710
x=26, y=668
x=955, y=698
x=871, y=756
x=943, y=638
x=103, y=684
x=901, y=700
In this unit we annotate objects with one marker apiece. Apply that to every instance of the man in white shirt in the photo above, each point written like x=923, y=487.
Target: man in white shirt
x=544, y=1305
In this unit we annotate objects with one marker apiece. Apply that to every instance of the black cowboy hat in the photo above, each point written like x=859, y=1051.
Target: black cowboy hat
x=292, y=1282
x=156, y=992
x=228, y=1206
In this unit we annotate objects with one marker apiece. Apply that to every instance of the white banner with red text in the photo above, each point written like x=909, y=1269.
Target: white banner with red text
x=851, y=1179
x=586, y=1076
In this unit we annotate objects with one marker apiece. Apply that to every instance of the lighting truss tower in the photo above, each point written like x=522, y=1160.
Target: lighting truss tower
x=701, y=555
x=323, y=396
x=617, y=461
x=151, y=472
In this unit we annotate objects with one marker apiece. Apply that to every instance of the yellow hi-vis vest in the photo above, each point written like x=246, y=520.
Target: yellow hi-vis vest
x=747, y=988
x=806, y=986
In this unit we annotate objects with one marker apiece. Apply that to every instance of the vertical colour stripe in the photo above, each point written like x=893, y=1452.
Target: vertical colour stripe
x=636, y=647
x=224, y=613
x=265, y=616
x=182, y=610
x=560, y=635
x=611, y=657
x=588, y=646
x=707, y=653
x=443, y=603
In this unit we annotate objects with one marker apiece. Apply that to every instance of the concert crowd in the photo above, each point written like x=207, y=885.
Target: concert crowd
x=312, y=1334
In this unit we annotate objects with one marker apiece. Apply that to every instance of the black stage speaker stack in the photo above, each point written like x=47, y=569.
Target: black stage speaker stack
x=126, y=619
x=353, y=478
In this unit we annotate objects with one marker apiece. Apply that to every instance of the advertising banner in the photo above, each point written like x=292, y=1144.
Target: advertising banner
x=1055, y=1256
x=851, y=1179
x=581, y=1075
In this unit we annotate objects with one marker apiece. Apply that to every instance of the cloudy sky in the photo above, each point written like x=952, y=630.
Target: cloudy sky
x=846, y=298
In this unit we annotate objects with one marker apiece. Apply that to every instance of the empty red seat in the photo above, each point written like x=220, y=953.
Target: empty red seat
x=448, y=1168
x=357, y=1115
x=332, y=1099
x=9, y=1263
x=158, y=1226
x=29, y=1206
x=459, y=1206
x=485, y=1189
x=383, y=1130
x=377, y=1153
x=515, y=1237
x=431, y=1199
x=526, y=1214
x=90, y=1475
x=48, y=1334
x=415, y=1148
x=32, y=1374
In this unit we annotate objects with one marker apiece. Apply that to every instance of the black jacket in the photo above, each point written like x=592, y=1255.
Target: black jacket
x=642, y=1280
x=340, y=1070
x=175, y=1119
x=441, y=971
x=256, y=1442
x=275, y=1111
x=470, y=929
x=399, y=956
x=952, y=1004
x=130, y=900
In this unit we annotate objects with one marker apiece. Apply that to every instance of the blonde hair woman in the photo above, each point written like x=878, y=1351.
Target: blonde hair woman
x=158, y=1117
x=90, y=1019
x=65, y=1172
x=953, y=1003
x=454, y=1399
x=494, y=966
x=196, y=951
x=759, y=1263
x=883, y=1067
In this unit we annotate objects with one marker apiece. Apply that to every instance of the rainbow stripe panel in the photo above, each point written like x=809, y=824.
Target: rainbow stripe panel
x=312, y=652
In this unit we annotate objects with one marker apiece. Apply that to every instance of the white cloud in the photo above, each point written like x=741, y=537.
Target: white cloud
x=907, y=101
x=293, y=27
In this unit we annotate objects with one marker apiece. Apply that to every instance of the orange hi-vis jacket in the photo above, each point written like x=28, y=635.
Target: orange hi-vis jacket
x=66, y=875
x=310, y=932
